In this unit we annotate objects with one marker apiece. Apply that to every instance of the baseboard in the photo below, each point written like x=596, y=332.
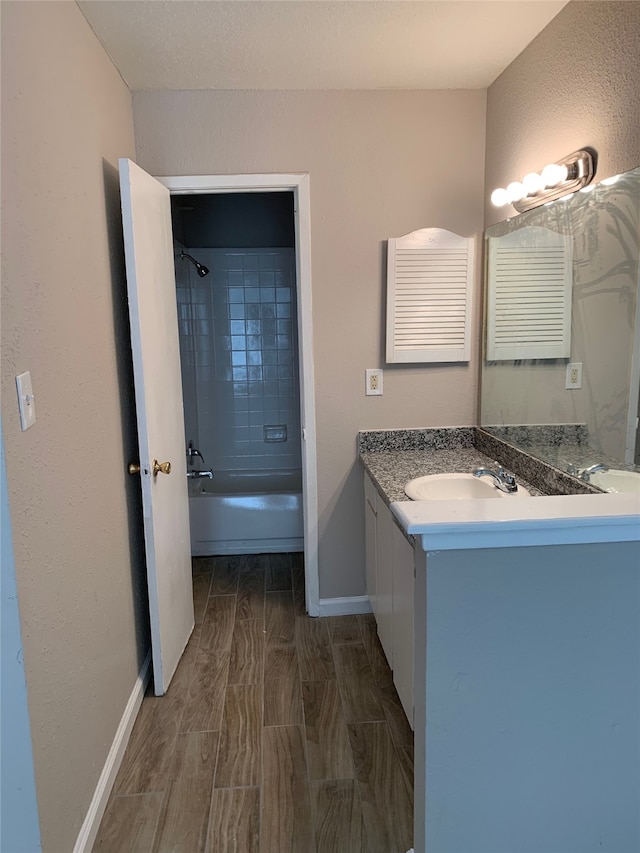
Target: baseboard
x=89, y=830
x=344, y=606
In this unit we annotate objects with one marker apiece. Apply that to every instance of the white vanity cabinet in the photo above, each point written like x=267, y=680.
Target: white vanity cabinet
x=403, y=576
x=370, y=550
x=390, y=578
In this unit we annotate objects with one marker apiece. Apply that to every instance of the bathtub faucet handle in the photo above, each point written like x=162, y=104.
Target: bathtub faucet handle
x=191, y=452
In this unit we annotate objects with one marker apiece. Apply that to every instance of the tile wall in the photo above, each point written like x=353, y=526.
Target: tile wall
x=239, y=355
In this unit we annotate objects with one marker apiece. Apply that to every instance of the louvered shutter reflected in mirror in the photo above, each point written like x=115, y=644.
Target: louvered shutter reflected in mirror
x=530, y=276
x=429, y=287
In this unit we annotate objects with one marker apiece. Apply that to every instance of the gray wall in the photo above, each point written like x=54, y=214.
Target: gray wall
x=381, y=164
x=532, y=699
x=576, y=84
x=66, y=118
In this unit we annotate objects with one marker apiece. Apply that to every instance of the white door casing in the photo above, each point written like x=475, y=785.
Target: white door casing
x=148, y=242
x=298, y=183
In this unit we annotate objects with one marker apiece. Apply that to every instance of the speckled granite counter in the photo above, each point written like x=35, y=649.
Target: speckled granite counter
x=390, y=470
x=565, y=510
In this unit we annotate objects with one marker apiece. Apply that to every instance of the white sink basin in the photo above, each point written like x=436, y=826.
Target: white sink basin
x=615, y=480
x=456, y=487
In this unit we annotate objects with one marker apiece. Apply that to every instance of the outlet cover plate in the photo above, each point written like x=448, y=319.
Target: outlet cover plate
x=373, y=387
x=574, y=376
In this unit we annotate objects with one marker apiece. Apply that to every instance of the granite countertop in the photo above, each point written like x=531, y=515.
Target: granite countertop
x=391, y=469
x=568, y=511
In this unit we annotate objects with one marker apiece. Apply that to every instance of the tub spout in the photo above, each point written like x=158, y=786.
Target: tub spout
x=200, y=475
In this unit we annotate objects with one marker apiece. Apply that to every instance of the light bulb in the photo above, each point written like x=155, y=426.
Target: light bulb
x=500, y=197
x=553, y=174
x=516, y=191
x=532, y=183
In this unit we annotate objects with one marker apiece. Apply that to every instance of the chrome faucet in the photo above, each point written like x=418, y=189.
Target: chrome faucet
x=199, y=475
x=592, y=469
x=502, y=480
x=191, y=452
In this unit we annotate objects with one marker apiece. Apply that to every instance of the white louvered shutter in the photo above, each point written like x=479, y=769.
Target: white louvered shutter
x=530, y=279
x=429, y=286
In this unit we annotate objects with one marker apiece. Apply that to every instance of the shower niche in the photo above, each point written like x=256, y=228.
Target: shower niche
x=236, y=293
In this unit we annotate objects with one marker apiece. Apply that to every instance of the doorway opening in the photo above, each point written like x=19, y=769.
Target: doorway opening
x=242, y=259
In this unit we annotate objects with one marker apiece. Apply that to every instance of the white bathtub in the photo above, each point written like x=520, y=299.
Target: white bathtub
x=246, y=512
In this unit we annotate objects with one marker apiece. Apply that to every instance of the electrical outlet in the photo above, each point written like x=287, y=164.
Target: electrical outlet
x=574, y=375
x=373, y=387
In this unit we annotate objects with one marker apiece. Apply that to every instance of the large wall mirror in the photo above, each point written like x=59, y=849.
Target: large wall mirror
x=561, y=360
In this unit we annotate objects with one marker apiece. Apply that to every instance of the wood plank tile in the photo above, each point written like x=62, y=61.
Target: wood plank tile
x=386, y=806
x=339, y=824
x=150, y=748
x=129, y=823
x=250, y=603
x=200, y=565
x=282, y=699
x=184, y=820
x=201, y=584
x=240, y=750
x=405, y=757
x=357, y=687
x=148, y=754
x=254, y=563
x=297, y=560
x=279, y=618
x=184, y=670
x=399, y=728
x=234, y=822
x=217, y=625
x=344, y=629
x=314, y=649
x=380, y=668
x=247, y=652
x=328, y=746
x=204, y=703
x=225, y=575
x=287, y=825
x=278, y=574
x=297, y=579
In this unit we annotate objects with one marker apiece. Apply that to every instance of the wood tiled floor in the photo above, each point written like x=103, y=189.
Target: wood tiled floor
x=279, y=733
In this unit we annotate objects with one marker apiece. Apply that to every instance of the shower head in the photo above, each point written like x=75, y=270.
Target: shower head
x=200, y=268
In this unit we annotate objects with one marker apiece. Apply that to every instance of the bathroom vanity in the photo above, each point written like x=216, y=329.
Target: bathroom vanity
x=513, y=631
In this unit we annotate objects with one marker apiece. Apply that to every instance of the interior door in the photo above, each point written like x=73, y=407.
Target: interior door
x=148, y=243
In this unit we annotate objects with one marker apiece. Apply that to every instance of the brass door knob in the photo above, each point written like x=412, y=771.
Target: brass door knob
x=161, y=467
x=134, y=468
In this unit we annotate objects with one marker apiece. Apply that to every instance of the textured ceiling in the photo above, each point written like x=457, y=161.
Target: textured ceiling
x=315, y=44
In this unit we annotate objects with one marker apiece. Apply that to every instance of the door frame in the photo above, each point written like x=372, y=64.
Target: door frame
x=298, y=183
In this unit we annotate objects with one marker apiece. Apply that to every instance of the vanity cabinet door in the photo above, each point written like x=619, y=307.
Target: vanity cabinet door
x=384, y=589
x=403, y=582
x=370, y=556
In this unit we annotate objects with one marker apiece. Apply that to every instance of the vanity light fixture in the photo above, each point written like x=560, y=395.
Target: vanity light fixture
x=559, y=179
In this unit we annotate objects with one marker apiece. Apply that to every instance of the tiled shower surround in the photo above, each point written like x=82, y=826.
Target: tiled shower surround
x=238, y=350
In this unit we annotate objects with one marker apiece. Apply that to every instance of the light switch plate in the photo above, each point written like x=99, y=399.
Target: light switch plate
x=26, y=401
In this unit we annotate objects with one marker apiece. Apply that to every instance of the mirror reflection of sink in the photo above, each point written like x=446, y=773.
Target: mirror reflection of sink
x=616, y=480
x=456, y=487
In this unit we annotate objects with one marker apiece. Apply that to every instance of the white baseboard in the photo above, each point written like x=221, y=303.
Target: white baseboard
x=89, y=830
x=344, y=606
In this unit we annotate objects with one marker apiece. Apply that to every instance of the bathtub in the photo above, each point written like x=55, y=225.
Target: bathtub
x=246, y=512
